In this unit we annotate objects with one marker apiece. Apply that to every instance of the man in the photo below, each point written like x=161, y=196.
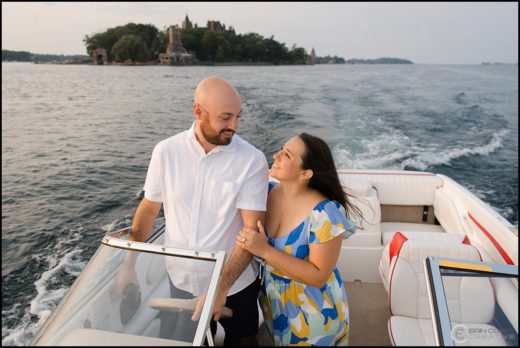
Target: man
x=211, y=183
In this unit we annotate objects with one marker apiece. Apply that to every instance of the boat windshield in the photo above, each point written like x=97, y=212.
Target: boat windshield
x=110, y=304
x=473, y=303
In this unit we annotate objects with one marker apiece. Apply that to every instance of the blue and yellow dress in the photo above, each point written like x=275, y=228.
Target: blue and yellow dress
x=301, y=314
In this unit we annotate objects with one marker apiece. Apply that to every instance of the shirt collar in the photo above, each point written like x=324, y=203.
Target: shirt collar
x=224, y=148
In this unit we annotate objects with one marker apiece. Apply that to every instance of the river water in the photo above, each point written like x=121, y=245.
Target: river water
x=76, y=141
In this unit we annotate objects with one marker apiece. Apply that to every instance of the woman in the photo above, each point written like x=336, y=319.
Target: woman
x=302, y=296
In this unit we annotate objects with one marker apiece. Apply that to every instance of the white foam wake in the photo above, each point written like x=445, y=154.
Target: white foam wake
x=46, y=299
x=395, y=150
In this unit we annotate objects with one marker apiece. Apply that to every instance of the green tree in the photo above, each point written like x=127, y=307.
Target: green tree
x=192, y=38
x=252, y=47
x=130, y=47
x=275, y=52
x=208, y=46
x=154, y=40
x=297, y=55
x=223, y=52
x=19, y=56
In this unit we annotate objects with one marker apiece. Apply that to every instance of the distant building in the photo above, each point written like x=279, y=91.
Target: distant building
x=99, y=56
x=216, y=27
x=175, y=53
x=186, y=24
x=311, y=59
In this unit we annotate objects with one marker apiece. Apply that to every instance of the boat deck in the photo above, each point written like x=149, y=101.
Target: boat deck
x=369, y=314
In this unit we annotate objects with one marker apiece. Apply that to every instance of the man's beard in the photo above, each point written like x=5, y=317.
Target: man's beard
x=215, y=138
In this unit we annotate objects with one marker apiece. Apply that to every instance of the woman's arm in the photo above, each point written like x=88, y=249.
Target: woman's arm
x=315, y=271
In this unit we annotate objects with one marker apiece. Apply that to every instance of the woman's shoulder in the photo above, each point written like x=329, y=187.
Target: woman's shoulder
x=329, y=210
x=326, y=204
x=332, y=215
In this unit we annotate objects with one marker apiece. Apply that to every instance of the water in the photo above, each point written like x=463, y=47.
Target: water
x=76, y=141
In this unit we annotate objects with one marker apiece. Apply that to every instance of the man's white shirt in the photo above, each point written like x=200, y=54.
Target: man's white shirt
x=202, y=195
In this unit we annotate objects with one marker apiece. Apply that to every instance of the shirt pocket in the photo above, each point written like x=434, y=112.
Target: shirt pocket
x=221, y=196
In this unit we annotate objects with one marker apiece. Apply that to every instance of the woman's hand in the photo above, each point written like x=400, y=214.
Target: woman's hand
x=253, y=241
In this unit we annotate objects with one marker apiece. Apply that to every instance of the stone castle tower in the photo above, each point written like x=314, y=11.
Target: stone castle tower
x=311, y=59
x=175, y=53
x=186, y=24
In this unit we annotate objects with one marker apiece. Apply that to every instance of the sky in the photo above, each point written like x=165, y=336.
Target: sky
x=425, y=33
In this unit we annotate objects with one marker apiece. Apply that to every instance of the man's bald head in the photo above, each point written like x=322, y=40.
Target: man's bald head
x=214, y=89
x=216, y=108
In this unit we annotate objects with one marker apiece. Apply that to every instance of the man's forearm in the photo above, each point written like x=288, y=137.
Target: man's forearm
x=144, y=219
x=240, y=258
x=236, y=264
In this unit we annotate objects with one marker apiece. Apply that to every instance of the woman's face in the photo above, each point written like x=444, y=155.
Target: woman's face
x=288, y=161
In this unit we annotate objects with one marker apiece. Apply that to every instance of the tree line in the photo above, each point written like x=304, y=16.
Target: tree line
x=383, y=60
x=143, y=42
x=24, y=56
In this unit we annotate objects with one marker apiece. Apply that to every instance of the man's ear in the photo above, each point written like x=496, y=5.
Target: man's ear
x=197, y=111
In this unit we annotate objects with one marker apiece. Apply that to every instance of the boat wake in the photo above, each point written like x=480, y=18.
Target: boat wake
x=50, y=289
x=396, y=151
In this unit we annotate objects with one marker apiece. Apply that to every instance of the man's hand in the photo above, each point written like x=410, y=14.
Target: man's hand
x=125, y=276
x=198, y=307
x=220, y=302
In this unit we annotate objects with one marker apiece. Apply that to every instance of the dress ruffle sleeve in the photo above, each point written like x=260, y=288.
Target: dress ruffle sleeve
x=328, y=221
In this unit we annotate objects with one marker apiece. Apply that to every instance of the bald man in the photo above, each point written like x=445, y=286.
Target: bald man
x=211, y=183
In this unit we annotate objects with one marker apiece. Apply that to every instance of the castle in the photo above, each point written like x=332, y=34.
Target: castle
x=175, y=53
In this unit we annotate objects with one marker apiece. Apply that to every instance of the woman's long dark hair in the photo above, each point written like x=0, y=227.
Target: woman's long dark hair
x=325, y=179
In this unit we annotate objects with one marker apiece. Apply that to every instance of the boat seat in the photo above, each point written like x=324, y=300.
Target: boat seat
x=368, y=228
x=446, y=212
x=388, y=229
x=440, y=242
x=471, y=301
x=91, y=337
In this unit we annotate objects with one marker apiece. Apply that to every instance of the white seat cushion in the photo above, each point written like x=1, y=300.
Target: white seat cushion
x=405, y=331
x=385, y=261
x=397, y=187
x=463, y=334
x=447, y=212
x=368, y=232
x=471, y=301
x=91, y=337
x=388, y=229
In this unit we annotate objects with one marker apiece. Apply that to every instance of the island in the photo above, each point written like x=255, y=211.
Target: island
x=24, y=56
x=384, y=60
x=214, y=44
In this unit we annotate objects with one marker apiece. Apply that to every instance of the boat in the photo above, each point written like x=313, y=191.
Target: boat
x=430, y=264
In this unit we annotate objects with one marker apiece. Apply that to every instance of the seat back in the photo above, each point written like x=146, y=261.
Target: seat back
x=469, y=299
x=407, y=291
x=446, y=213
x=391, y=249
x=368, y=227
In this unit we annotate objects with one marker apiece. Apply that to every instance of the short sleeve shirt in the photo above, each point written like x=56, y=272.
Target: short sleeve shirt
x=202, y=195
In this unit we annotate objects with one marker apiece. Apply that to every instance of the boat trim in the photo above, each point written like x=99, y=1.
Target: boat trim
x=497, y=245
x=387, y=173
x=217, y=256
x=114, y=240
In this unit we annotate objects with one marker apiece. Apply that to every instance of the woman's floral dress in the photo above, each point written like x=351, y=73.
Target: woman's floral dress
x=300, y=314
